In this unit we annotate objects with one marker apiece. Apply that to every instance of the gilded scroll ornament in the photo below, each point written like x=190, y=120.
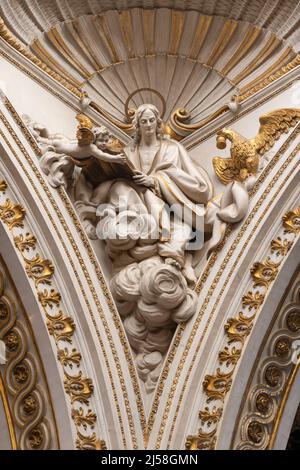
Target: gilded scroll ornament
x=245, y=153
x=291, y=221
x=25, y=242
x=60, y=327
x=237, y=329
x=252, y=300
x=83, y=419
x=229, y=356
x=49, y=297
x=208, y=416
x=12, y=214
x=89, y=442
x=264, y=273
x=39, y=269
x=217, y=386
x=69, y=358
x=79, y=388
x=203, y=441
x=280, y=247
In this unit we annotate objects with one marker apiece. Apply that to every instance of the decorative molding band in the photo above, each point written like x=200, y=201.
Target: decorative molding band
x=214, y=283
x=14, y=42
x=60, y=326
x=274, y=373
x=99, y=274
x=217, y=385
x=28, y=406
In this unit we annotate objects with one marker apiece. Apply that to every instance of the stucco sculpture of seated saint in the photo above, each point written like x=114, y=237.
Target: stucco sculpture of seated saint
x=124, y=197
x=164, y=177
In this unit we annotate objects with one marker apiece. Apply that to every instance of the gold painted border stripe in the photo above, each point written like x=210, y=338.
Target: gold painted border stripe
x=8, y=414
x=250, y=37
x=271, y=45
x=222, y=42
x=58, y=42
x=202, y=28
x=287, y=55
x=44, y=55
x=282, y=406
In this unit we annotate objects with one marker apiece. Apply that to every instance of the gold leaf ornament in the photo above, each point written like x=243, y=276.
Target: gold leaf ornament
x=237, y=329
x=39, y=269
x=202, y=441
x=49, y=298
x=79, y=388
x=69, y=358
x=24, y=243
x=210, y=416
x=3, y=186
x=216, y=386
x=264, y=273
x=230, y=356
x=291, y=221
x=85, y=134
x=82, y=419
x=89, y=442
x=61, y=327
x=12, y=214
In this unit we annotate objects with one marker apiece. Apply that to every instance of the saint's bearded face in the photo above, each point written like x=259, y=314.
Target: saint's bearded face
x=147, y=123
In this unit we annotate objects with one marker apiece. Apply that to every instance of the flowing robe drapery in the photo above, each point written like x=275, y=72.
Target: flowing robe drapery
x=180, y=184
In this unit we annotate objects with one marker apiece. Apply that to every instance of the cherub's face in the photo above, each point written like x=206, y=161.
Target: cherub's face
x=148, y=123
x=102, y=137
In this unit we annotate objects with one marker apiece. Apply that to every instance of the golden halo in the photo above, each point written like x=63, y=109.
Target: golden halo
x=129, y=113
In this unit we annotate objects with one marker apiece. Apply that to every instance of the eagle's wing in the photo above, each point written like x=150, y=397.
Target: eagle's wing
x=85, y=134
x=272, y=126
x=225, y=169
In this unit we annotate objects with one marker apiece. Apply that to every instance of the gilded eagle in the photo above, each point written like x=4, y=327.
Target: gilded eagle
x=244, y=152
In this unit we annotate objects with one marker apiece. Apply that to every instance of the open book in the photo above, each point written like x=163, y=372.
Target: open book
x=86, y=135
